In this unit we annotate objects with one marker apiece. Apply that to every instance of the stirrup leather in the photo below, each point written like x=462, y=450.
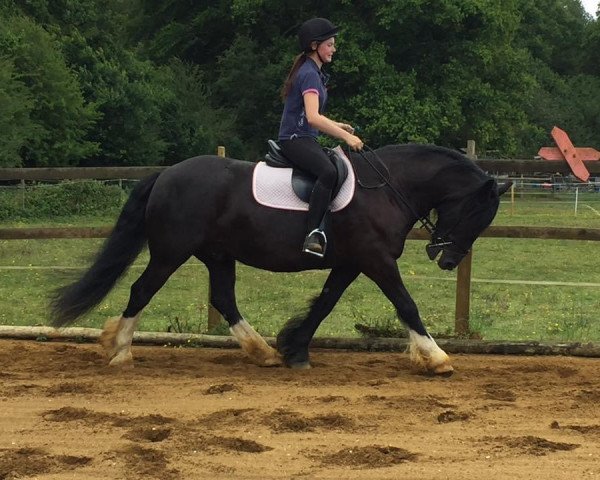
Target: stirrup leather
x=315, y=246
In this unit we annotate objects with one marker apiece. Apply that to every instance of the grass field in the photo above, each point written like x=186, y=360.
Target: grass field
x=509, y=298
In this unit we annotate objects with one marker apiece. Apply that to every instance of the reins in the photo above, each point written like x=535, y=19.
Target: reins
x=425, y=220
x=437, y=241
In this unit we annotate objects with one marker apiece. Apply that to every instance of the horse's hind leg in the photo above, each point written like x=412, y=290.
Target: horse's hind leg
x=294, y=338
x=222, y=290
x=118, y=331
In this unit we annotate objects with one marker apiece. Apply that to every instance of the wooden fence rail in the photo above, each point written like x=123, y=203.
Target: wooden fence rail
x=463, y=284
x=112, y=173
x=77, y=173
x=546, y=233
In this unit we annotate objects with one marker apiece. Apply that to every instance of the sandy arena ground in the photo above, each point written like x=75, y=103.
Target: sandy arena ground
x=209, y=414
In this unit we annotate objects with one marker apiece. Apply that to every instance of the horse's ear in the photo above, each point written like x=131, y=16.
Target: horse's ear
x=504, y=188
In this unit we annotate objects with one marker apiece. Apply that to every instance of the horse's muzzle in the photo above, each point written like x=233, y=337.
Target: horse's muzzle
x=450, y=259
x=451, y=255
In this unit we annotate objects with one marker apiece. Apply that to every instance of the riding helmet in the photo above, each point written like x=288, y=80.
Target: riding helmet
x=315, y=29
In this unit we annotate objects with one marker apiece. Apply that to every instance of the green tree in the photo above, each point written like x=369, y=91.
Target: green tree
x=191, y=126
x=125, y=90
x=564, y=42
x=591, y=49
x=439, y=72
x=195, y=32
x=248, y=84
x=16, y=125
x=553, y=31
x=129, y=94
x=59, y=112
x=146, y=114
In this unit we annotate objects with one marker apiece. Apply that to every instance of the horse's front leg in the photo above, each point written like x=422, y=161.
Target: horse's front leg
x=424, y=352
x=294, y=338
x=222, y=291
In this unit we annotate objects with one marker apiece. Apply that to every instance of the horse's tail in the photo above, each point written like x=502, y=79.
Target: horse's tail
x=119, y=251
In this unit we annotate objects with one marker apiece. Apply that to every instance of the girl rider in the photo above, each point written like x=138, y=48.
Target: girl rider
x=305, y=96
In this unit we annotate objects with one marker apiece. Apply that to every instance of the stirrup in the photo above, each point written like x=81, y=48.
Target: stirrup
x=315, y=243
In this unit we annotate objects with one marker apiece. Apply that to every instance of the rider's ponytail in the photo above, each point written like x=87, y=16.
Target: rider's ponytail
x=287, y=85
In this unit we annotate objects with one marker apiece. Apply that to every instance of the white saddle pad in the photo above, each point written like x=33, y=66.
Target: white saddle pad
x=272, y=187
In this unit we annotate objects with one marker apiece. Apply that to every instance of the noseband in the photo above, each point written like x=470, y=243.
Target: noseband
x=437, y=245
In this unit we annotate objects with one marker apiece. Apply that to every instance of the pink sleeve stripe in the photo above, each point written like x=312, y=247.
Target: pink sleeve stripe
x=310, y=90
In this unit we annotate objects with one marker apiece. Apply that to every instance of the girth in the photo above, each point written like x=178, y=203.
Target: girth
x=302, y=181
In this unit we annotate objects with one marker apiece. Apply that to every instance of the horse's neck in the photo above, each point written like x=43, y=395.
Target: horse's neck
x=427, y=175
x=423, y=190
x=427, y=188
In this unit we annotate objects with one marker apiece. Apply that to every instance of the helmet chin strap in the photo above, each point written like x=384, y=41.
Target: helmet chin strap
x=316, y=50
x=319, y=55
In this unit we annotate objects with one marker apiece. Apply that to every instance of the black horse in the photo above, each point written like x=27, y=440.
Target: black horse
x=204, y=207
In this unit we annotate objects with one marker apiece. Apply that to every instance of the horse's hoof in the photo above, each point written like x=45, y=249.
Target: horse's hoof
x=123, y=360
x=108, y=337
x=300, y=366
x=274, y=361
x=444, y=370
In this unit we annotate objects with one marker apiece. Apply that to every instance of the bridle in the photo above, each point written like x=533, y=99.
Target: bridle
x=438, y=242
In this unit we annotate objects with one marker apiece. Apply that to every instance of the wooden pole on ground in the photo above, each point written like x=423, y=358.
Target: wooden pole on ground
x=463, y=278
x=373, y=344
x=214, y=317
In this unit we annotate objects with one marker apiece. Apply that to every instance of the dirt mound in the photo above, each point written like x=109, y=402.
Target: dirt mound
x=282, y=420
x=29, y=462
x=237, y=444
x=372, y=456
x=538, y=446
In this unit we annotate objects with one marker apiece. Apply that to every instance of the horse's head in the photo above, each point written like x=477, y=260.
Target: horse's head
x=461, y=221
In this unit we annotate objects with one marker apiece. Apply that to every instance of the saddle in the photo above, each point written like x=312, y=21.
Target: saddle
x=303, y=182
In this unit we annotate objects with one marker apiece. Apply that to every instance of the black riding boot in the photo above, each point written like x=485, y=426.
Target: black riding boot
x=315, y=242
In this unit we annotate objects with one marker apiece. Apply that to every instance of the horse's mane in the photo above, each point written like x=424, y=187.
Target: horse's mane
x=446, y=158
x=453, y=157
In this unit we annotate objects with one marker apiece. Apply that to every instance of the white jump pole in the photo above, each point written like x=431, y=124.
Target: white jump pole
x=576, y=199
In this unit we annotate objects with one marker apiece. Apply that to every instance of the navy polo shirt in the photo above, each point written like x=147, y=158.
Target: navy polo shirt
x=309, y=78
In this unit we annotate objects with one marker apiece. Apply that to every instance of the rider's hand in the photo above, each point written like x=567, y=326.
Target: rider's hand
x=348, y=128
x=354, y=142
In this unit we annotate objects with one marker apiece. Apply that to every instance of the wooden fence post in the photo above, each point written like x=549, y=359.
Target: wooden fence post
x=463, y=295
x=512, y=199
x=463, y=278
x=214, y=317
